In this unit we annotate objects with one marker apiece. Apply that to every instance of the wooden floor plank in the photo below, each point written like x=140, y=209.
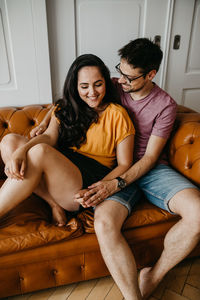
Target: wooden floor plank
x=82, y=290
x=191, y=292
x=170, y=295
x=114, y=293
x=176, y=278
x=61, y=293
x=101, y=289
x=42, y=295
x=194, y=274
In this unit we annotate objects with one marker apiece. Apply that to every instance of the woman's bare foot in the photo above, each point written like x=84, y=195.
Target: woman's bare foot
x=147, y=284
x=59, y=216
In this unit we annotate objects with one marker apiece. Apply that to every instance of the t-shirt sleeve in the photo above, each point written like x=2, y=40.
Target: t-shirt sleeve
x=123, y=126
x=164, y=122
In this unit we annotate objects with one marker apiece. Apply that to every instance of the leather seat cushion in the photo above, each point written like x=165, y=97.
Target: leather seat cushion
x=29, y=226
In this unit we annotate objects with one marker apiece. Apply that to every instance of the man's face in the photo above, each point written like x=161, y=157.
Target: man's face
x=131, y=79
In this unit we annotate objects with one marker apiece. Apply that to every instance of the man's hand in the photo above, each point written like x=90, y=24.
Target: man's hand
x=96, y=193
x=38, y=130
x=15, y=167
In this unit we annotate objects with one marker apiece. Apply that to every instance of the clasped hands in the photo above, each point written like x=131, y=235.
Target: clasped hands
x=96, y=193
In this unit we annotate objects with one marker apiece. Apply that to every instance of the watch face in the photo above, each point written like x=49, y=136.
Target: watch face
x=121, y=183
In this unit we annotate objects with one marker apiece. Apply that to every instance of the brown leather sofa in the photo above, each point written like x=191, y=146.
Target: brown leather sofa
x=35, y=254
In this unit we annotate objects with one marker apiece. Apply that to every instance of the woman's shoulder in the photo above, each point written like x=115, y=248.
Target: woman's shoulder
x=117, y=109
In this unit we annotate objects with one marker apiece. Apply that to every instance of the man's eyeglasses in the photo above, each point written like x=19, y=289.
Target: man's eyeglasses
x=127, y=76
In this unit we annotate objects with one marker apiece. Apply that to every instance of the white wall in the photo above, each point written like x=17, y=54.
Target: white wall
x=102, y=27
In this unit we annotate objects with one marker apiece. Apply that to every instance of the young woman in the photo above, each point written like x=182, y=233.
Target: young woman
x=89, y=138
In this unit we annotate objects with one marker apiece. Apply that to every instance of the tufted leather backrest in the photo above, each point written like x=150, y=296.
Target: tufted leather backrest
x=184, y=146
x=21, y=119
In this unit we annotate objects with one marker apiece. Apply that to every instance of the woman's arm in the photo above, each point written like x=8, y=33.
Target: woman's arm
x=146, y=163
x=43, y=125
x=124, y=156
x=15, y=167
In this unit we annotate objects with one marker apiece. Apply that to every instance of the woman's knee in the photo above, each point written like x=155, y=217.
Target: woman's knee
x=40, y=152
x=10, y=143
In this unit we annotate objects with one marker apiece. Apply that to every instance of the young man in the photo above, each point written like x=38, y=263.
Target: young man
x=153, y=113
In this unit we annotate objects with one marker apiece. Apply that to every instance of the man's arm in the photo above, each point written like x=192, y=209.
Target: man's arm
x=43, y=125
x=105, y=188
x=146, y=163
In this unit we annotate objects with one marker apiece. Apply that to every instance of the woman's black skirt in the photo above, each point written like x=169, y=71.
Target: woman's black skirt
x=91, y=170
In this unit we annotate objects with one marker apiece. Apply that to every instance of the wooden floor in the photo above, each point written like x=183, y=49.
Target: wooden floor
x=181, y=283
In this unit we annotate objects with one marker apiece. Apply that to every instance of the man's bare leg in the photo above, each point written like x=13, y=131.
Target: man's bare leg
x=179, y=241
x=108, y=221
x=8, y=145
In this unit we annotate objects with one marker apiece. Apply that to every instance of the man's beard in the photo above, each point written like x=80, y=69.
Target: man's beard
x=134, y=90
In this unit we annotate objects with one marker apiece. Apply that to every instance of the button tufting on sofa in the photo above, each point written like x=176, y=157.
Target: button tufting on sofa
x=191, y=140
x=32, y=122
x=188, y=166
x=184, y=151
x=5, y=125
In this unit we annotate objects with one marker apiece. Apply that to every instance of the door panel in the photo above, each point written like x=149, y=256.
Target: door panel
x=183, y=73
x=103, y=27
x=24, y=56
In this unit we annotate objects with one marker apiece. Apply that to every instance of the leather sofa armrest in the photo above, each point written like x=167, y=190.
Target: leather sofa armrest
x=184, y=147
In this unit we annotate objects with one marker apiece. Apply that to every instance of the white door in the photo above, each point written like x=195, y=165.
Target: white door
x=183, y=73
x=24, y=54
x=101, y=27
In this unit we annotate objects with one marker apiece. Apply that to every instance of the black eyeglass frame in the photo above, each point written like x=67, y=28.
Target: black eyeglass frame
x=126, y=76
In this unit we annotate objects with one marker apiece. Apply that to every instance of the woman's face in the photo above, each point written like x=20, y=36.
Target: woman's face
x=91, y=86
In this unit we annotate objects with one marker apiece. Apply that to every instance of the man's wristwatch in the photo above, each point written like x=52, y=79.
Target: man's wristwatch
x=121, y=183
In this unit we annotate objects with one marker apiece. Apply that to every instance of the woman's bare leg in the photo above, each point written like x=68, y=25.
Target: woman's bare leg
x=62, y=178
x=8, y=145
x=58, y=213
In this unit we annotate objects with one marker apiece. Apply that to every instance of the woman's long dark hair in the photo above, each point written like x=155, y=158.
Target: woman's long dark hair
x=74, y=114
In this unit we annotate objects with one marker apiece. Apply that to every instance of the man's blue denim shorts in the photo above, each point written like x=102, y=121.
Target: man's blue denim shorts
x=159, y=185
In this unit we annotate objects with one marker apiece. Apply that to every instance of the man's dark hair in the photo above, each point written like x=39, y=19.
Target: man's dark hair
x=142, y=53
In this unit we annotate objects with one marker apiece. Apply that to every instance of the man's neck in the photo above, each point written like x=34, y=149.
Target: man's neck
x=141, y=94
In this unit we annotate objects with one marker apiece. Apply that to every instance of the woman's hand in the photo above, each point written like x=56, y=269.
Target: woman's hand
x=96, y=193
x=15, y=167
x=80, y=198
x=38, y=130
